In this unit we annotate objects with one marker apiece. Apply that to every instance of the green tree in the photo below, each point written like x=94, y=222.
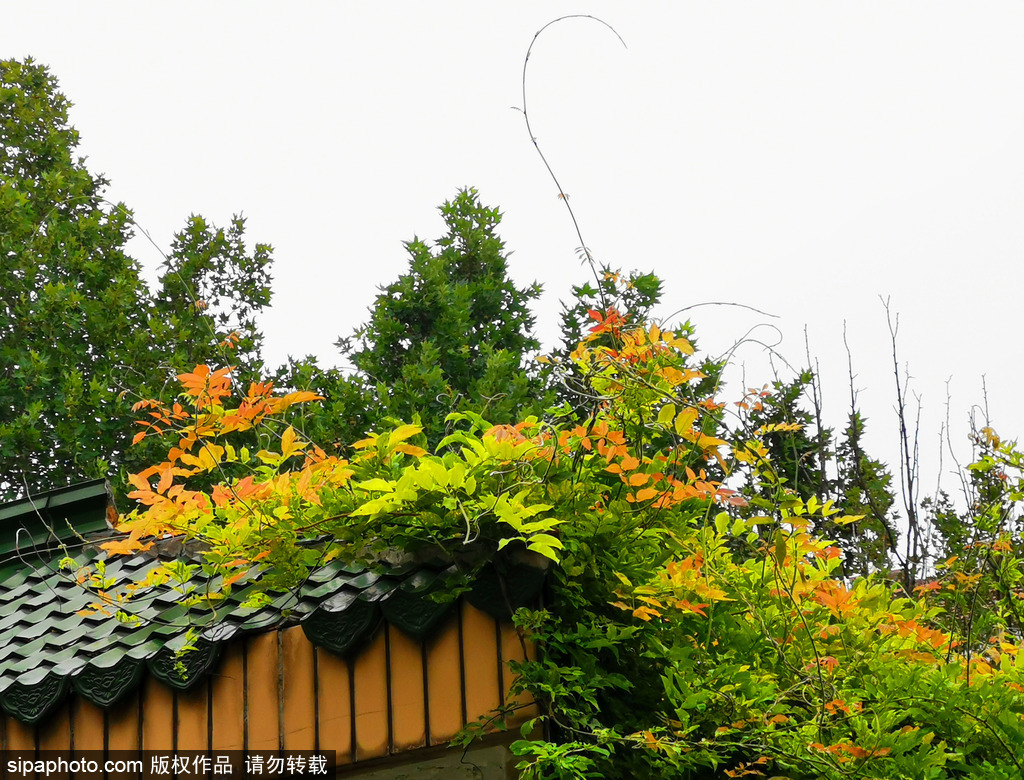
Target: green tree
x=211, y=290
x=810, y=462
x=453, y=330
x=864, y=487
x=78, y=325
x=71, y=304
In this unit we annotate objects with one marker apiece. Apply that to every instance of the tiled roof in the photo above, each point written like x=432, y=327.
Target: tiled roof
x=52, y=641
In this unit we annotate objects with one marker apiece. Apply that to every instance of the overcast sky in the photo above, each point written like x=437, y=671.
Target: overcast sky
x=804, y=158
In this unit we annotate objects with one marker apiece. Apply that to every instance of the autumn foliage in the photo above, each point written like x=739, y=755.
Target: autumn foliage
x=720, y=600
x=690, y=632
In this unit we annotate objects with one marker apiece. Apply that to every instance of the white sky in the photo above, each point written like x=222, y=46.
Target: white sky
x=801, y=157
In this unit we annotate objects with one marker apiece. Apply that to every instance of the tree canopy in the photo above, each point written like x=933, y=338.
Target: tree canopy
x=81, y=334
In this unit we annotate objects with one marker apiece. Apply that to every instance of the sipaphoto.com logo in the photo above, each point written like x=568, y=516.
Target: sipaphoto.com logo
x=61, y=766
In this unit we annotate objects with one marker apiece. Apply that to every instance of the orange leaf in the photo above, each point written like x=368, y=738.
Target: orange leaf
x=645, y=613
x=166, y=477
x=629, y=463
x=138, y=481
x=124, y=547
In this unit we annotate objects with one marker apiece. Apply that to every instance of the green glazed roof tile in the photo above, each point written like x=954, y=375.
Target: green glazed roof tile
x=34, y=676
x=105, y=685
x=379, y=589
x=31, y=663
x=262, y=620
x=364, y=580
x=146, y=649
x=34, y=699
x=325, y=589
x=52, y=639
x=71, y=666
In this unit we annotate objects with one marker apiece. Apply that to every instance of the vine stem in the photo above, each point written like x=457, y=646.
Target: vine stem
x=533, y=139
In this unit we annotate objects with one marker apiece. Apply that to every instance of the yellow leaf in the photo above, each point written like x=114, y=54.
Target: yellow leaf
x=302, y=396
x=411, y=449
x=668, y=411
x=628, y=463
x=138, y=481
x=362, y=444
x=166, y=477
x=209, y=456
x=684, y=422
x=281, y=403
x=288, y=443
x=682, y=345
x=403, y=432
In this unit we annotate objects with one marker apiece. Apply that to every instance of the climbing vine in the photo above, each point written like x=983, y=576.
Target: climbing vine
x=698, y=623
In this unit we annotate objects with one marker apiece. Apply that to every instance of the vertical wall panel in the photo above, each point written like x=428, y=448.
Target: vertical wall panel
x=334, y=705
x=20, y=737
x=512, y=650
x=193, y=718
x=370, y=680
x=263, y=717
x=480, y=654
x=55, y=730
x=123, y=724
x=227, y=687
x=157, y=715
x=123, y=730
x=88, y=724
x=408, y=709
x=444, y=684
x=299, y=705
